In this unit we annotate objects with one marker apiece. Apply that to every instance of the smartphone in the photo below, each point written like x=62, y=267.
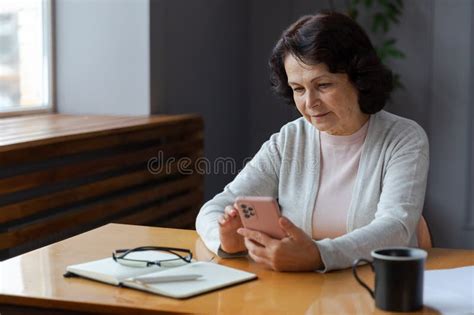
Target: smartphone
x=260, y=214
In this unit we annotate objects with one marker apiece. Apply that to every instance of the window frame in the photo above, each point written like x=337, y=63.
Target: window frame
x=48, y=9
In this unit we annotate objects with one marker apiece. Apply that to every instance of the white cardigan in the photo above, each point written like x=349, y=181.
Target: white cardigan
x=387, y=198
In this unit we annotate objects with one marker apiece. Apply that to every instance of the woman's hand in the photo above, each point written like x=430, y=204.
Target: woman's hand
x=296, y=252
x=229, y=223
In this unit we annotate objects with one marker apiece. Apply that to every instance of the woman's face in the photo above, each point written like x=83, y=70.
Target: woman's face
x=327, y=100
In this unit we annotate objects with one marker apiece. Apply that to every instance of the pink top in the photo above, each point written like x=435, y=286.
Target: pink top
x=340, y=156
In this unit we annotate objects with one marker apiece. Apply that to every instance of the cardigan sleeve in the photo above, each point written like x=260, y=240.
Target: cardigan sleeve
x=399, y=207
x=259, y=177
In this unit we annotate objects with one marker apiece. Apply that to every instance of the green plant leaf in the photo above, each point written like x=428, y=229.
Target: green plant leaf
x=384, y=14
x=380, y=55
x=380, y=21
x=389, y=43
x=385, y=24
x=395, y=53
x=383, y=3
x=394, y=19
x=397, y=82
x=393, y=9
x=392, y=13
x=399, y=3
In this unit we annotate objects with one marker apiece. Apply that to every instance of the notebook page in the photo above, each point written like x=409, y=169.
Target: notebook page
x=109, y=271
x=213, y=276
x=450, y=291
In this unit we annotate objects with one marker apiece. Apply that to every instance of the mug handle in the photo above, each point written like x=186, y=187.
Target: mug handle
x=354, y=272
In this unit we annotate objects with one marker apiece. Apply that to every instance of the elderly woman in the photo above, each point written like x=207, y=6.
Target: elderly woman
x=349, y=176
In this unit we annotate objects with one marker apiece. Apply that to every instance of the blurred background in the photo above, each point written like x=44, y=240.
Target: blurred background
x=140, y=57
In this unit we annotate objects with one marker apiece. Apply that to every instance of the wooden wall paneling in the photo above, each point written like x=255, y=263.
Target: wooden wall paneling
x=26, y=208
x=97, y=212
x=66, y=174
x=88, y=167
x=48, y=151
x=165, y=213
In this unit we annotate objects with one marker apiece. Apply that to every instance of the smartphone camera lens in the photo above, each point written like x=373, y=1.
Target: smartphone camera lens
x=250, y=210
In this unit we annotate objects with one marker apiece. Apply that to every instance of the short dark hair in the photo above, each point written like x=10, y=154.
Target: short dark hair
x=339, y=42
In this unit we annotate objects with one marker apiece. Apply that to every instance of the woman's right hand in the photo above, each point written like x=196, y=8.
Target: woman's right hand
x=229, y=223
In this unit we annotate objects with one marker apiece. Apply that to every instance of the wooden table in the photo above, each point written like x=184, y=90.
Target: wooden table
x=33, y=282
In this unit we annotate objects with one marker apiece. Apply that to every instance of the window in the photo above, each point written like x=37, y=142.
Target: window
x=25, y=56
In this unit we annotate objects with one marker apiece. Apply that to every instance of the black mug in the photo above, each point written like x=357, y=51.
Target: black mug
x=398, y=278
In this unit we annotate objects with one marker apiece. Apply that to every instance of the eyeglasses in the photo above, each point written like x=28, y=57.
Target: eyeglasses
x=147, y=256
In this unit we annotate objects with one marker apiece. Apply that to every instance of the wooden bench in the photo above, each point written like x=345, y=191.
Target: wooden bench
x=61, y=175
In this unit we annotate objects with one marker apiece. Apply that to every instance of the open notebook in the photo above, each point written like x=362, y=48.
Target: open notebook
x=212, y=276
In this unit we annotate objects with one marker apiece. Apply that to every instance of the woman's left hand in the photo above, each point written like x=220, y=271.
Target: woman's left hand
x=296, y=252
